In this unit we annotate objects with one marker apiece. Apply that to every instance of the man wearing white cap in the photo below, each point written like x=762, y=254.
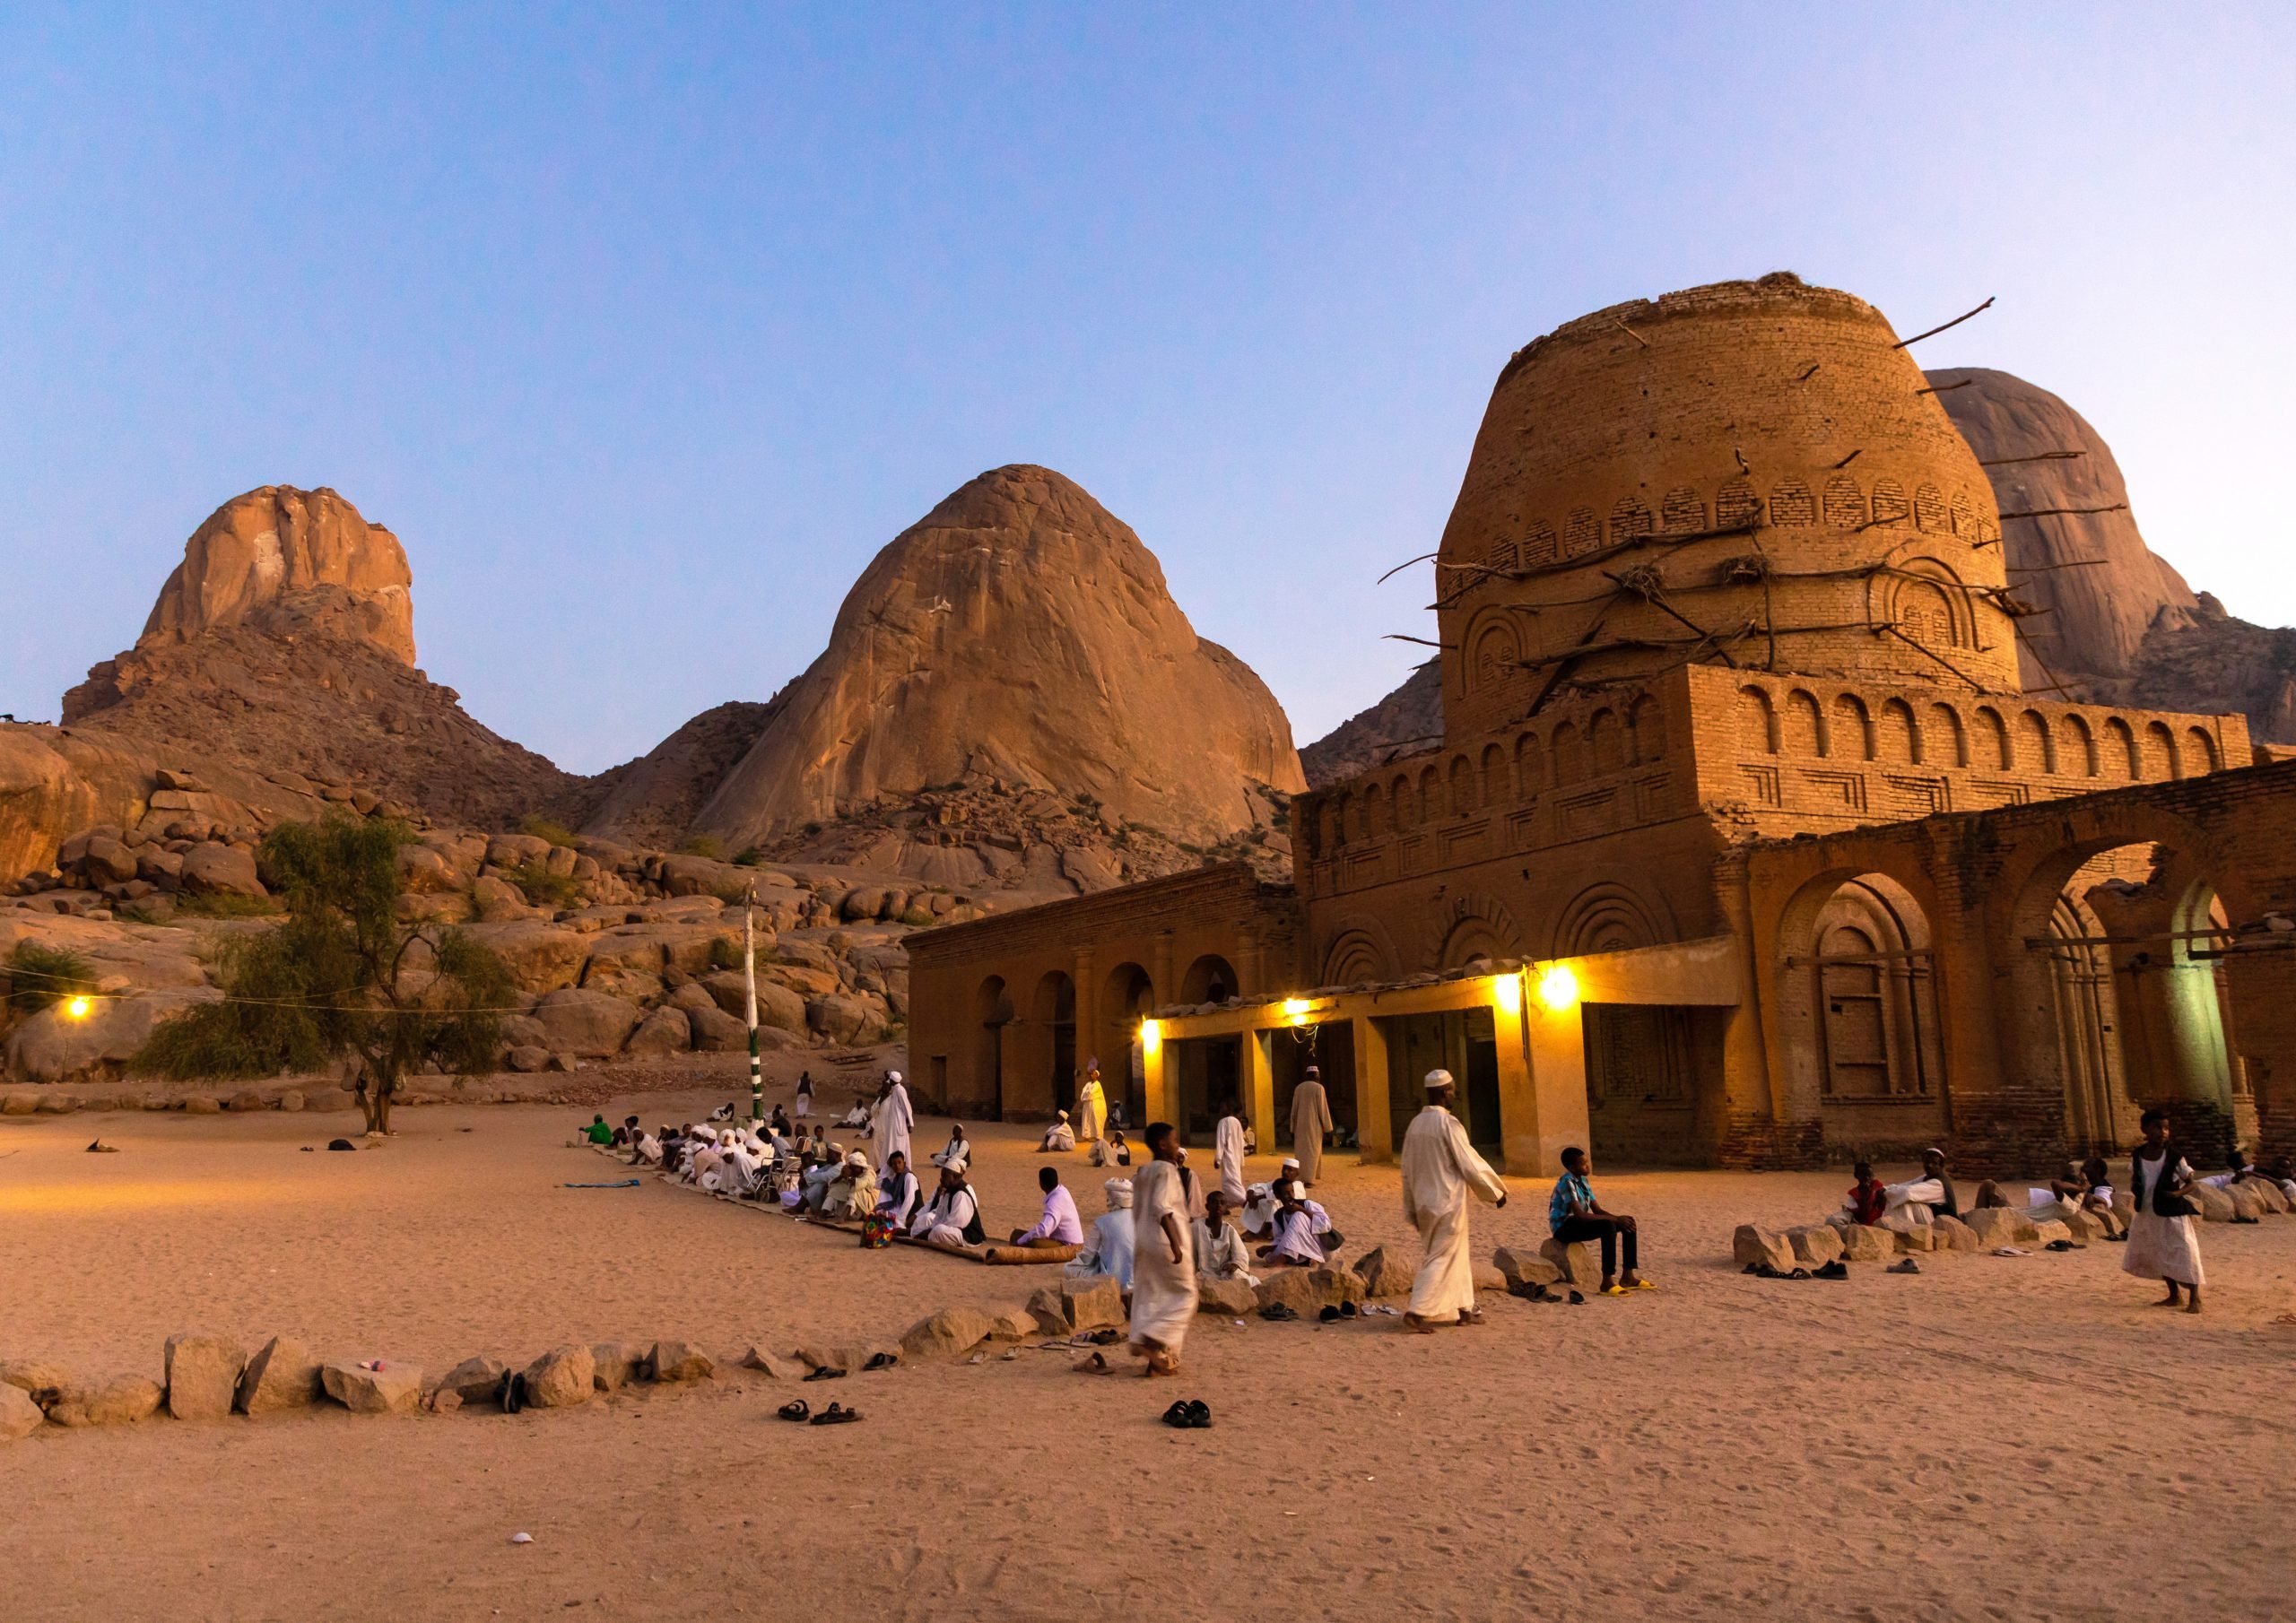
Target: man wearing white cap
x=1228, y=1153
x=891, y=1120
x=1091, y=1104
x=1310, y=1120
x=1440, y=1167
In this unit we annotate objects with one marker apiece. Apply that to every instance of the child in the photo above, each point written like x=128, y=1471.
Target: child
x=1869, y=1200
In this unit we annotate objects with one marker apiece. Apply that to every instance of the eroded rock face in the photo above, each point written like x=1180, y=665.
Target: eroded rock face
x=291, y=560
x=1019, y=634
x=1406, y=721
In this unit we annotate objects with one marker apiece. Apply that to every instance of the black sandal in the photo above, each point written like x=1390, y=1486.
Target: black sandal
x=1276, y=1312
x=1347, y=1310
x=1330, y=1315
x=1178, y=1417
x=1200, y=1415
x=881, y=1361
x=797, y=1413
x=837, y=1414
x=827, y=1372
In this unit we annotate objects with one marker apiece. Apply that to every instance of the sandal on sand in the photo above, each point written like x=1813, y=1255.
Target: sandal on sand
x=1907, y=1266
x=1644, y=1285
x=1178, y=1417
x=826, y=1373
x=837, y=1414
x=1417, y=1325
x=1835, y=1270
x=1613, y=1290
x=881, y=1361
x=1576, y=1300
x=1200, y=1415
x=1471, y=1316
x=1097, y=1364
x=1277, y=1312
x=797, y=1413
x=1347, y=1310
x=1330, y=1315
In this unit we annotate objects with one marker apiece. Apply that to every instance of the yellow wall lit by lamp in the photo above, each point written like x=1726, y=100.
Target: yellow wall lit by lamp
x=1507, y=992
x=1151, y=1036
x=1558, y=988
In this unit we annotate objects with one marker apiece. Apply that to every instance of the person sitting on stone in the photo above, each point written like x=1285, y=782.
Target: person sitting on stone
x=1110, y=1149
x=1221, y=1252
x=646, y=1149
x=1108, y=1245
x=597, y=1132
x=957, y=1152
x=952, y=1218
x=2237, y=1169
x=1573, y=1215
x=1058, y=1137
x=1918, y=1202
x=852, y=1192
x=1059, y=1225
x=2283, y=1172
x=856, y=1119
x=897, y=1193
x=1867, y=1199
x=1293, y=1229
x=701, y=1160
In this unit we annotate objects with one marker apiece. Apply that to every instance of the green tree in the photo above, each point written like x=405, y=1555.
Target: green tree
x=343, y=978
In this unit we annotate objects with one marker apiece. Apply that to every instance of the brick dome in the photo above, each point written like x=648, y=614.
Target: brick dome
x=1747, y=473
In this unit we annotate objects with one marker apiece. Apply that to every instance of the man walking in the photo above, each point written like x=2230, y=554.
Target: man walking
x=1439, y=1167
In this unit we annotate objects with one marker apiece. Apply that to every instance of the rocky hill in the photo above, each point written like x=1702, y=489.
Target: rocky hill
x=1407, y=720
x=1017, y=640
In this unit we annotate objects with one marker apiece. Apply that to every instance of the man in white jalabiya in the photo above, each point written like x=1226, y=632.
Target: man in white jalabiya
x=1058, y=1137
x=1221, y=1252
x=951, y=1218
x=1227, y=1154
x=1108, y=1253
x=1163, y=1271
x=957, y=1152
x=891, y=1120
x=1092, y=1105
x=1439, y=1170
x=1310, y=1120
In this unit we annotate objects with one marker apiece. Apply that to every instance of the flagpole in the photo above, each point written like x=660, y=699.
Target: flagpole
x=749, y=991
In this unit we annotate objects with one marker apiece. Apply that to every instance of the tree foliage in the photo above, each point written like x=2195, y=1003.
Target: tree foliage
x=343, y=978
x=39, y=975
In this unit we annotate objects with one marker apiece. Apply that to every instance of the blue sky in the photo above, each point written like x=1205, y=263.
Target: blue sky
x=645, y=329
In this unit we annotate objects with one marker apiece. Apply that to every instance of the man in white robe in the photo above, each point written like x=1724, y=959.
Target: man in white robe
x=1227, y=1154
x=852, y=1193
x=1060, y=1136
x=1441, y=1168
x=1092, y=1106
x=957, y=1152
x=947, y=1217
x=1221, y=1252
x=897, y=1193
x=1310, y=1120
x=1163, y=1269
x=893, y=1119
x=1108, y=1252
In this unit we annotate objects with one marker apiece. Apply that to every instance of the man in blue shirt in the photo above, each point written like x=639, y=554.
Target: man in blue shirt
x=1573, y=1215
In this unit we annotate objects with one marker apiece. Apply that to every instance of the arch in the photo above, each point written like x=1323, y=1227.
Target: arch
x=1462, y=786
x=1804, y=725
x=1757, y=722
x=1498, y=556
x=1570, y=760
x=2036, y=744
x=1472, y=927
x=1965, y=524
x=1582, y=532
x=1684, y=510
x=1845, y=503
x=1606, y=743
x=1209, y=979
x=1647, y=727
x=1495, y=790
x=992, y=1013
x=1790, y=503
x=1538, y=545
x=1375, y=812
x=1928, y=508
x=1993, y=753
x=2162, y=759
x=1360, y=952
x=1852, y=727
x=1900, y=734
x=1890, y=504
x=1630, y=518
x=2079, y=751
x=1408, y=813
x=1735, y=505
x=2120, y=739
x=1926, y=599
x=1430, y=794
x=1494, y=656
x=2201, y=751
x=1530, y=765
x=1607, y=916
x=1949, y=739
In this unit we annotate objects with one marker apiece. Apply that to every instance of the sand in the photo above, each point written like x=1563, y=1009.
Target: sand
x=1996, y=1439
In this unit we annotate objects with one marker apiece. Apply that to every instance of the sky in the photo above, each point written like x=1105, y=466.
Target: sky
x=645, y=328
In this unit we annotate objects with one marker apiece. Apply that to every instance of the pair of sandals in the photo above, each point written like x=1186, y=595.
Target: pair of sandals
x=2064, y=1245
x=1332, y=1313
x=1617, y=1290
x=800, y=1413
x=1277, y=1312
x=1188, y=1414
x=1764, y=1270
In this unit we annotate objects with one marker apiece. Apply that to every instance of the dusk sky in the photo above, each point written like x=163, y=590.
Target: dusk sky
x=646, y=328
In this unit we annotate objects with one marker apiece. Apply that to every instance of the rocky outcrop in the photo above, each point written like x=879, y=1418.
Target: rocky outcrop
x=1406, y=721
x=1019, y=636
x=654, y=800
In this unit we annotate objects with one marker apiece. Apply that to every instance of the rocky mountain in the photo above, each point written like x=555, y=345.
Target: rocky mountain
x=1018, y=640
x=283, y=644
x=654, y=800
x=1407, y=720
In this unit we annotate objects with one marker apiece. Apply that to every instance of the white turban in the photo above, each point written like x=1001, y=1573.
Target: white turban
x=892, y=1076
x=1438, y=1080
x=1119, y=1193
x=1291, y=1161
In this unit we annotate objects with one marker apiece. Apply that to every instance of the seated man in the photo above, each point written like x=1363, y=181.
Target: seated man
x=2236, y=1170
x=701, y=1160
x=1257, y=1216
x=1219, y=1250
x=1108, y=1245
x=1059, y=1225
x=857, y=1117
x=723, y=1112
x=597, y=1132
x=1111, y=1150
x=957, y=1152
x=819, y=1176
x=779, y=1123
x=626, y=1135
x=1573, y=1215
x=852, y=1193
x=646, y=1150
x=897, y=1194
x=1920, y=1202
x=738, y=1175
x=1293, y=1228
x=952, y=1218
x=1060, y=1135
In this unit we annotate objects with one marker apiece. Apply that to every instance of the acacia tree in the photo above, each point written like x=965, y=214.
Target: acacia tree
x=343, y=978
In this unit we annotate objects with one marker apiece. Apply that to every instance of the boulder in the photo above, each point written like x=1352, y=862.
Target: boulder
x=1231, y=1297
x=203, y=1377
x=1383, y=1275
x=1487, y=1277
x=714, y=1031
x=2113, y=1219
x=1049, y=1311
x=774, y=1366
x=584, y=1023
x=282, y=1376
x=840, y=1019
x=1862, y=1244
x=1579, y=1263
x=945, y=1335
x=1306, y=1292
x=527, y=1057
x=119, y=1402
x=777, y=1004
x=1092, y=1304
x=394, y=1388
x=201, y=1105
x=2084, y=1226
x=540, y=957
x=1814, y=1244
x=1014, y=1324
x=680, y=1361
x=2246, y=1202
x=2275, y=1198
x=1952, y=1234
x=1518, y=1268
x=37, y=1378
x=614, y=1365
x=1753, y=1246
x=2213, y=1205
x=560, y=1378
x=1915, y=1236
x=477, y=1380
x=19, y=1417
x=213, y=869
x=2053, y=1230
x=666, y=1030
x=1998, y=1226
x=49, y=1047
x=500, y=902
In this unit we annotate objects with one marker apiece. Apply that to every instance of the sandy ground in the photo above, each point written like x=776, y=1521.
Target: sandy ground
x=1995, y=1439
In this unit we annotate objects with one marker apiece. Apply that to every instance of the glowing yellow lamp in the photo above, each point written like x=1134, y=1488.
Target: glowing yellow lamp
x=1151, y=1036
x=1559, y=988
x=1295, y=1010
x=1507, y=992
x=76, y=1008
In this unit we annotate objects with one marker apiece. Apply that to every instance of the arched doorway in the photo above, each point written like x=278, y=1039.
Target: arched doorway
x=1209, y=980
x=1054, y=1013
x=1125, y=997
x=992, y=1013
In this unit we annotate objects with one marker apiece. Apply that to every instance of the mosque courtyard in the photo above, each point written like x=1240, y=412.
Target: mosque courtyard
x=1996, y=1437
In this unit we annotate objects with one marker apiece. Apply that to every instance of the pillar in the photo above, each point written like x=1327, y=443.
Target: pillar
x=1162, y=1106
x=1374, y=1129
x=1088, y=1024
x=1548, y=1114
x=1259, y=1088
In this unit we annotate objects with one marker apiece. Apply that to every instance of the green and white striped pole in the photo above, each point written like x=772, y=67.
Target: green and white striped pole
x=749, y=988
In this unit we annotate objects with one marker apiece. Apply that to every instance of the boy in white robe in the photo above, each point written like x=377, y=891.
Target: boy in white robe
x=1163, y=1269
x=896, y=1193
x=1228, y=1153
x=2162, y=1246
x=1221, y=1252
x=1440, y=1170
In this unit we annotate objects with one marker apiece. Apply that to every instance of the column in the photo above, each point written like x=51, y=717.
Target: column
x=1161, y=1104
x=1374, y=1129
x=1259, y=1089
x=1555, y=1045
